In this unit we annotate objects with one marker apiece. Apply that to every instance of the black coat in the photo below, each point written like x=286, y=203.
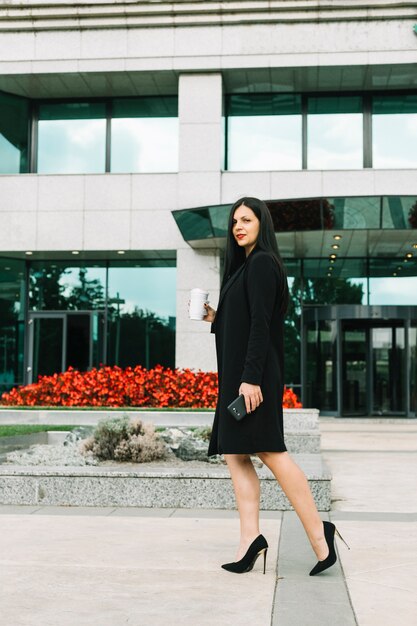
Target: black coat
x=249, y=329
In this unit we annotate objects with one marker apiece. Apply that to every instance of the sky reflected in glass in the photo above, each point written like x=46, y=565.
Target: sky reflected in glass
x=396, y=290
x=147, y=144
x=335, y=141
x=264, y=142
x=394, y=139
x=71, y=146
x=147, y=288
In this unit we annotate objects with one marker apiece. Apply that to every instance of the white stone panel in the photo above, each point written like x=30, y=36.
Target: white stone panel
x=198, y=189
x=154, y=230
x=395, y=182
x=61, y=193
x=103, y=44
x=107, y=192
x=198, y=41
x=154, y=191
x=295, y=184
x=195, y=343
x=238, y=184
x=16, y=47
x=17, y=230
x=349, y=182
x=198, y=268
x=200, y=98
x=196, y=351
x=61, y=230
x=200, y=147
x=57, y=45
x=107, y=230
x=149, y=42
x=18, y=193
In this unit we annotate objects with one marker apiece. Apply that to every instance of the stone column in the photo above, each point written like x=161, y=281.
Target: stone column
x=200, y=152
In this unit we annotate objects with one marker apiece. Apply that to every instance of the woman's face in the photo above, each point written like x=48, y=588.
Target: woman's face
x=245, y=228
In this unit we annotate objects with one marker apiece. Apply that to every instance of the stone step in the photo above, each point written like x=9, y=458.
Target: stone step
x=191, y=485
x=294, y=419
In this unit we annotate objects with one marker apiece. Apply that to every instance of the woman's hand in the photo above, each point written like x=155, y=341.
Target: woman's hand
x=252, y=394
x=210, y=313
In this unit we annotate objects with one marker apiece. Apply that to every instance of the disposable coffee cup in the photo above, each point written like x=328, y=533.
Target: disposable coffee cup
x=197, y=299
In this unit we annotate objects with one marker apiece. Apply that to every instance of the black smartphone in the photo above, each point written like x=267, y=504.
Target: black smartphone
x=237, y=408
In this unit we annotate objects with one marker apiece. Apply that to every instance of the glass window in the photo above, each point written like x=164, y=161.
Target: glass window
x=14, y=127
x=394, y=131
x=396, y=290
x=72, y=138
x=264, y=132
x=144, y=135
x=352, y=213
x=142, y=313
x=335, y=133
x=60, y=286
x=12, y=326
x=399, y=212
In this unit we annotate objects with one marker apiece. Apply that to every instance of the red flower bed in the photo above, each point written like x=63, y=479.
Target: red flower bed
x=133, y=386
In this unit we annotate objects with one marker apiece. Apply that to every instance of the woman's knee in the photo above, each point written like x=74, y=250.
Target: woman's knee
x=237, y=459
x=269, y=458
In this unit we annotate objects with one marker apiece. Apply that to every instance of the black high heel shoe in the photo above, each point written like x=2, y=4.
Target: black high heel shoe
x=329, y=532
x=257, y=547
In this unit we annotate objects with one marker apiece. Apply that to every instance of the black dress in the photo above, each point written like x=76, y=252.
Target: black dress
x=249, y=329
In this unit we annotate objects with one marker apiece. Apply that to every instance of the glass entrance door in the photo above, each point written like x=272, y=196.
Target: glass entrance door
x=373, y=369
x=354, y=371
x=60, y=339
x=388, y=371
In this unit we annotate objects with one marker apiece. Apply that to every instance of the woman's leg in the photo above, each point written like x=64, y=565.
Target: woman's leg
x=246, y=486
x=295, y=486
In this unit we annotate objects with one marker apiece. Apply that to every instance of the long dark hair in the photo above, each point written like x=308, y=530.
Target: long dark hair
x=235, y=255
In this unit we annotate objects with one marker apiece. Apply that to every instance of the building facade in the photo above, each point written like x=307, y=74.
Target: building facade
x=127, y=129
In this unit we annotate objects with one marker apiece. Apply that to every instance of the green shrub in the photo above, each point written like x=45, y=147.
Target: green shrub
x=124, y=439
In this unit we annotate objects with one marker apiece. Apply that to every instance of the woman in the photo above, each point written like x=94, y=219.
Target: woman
x=249, y=325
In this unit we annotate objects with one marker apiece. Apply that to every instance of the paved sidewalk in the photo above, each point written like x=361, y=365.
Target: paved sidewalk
x=153, y=567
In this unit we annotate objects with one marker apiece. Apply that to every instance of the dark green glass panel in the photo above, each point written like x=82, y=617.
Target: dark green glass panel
x=321, y=386
x=47, y=346
x=72, y=111
x=395, y=267
x=194, y=224
x=296, y=215
x=263, y=104
x=399, y=212
x=353, y=213
x=14, y=132
x=12, y=303
x=394, y=104
x=334, y=104
x=145, y=107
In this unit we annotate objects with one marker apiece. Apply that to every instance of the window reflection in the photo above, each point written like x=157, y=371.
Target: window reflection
x=59, y=287
x=142, y=303
x=335, y=133
x=12, y=299
x=264, y=132
x=144, y=145
x=394, y=131
x=72, y=138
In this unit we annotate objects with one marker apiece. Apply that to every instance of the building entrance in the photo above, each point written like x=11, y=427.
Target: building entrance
x=58, y=339
x=373, y=369
x=360, y=360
